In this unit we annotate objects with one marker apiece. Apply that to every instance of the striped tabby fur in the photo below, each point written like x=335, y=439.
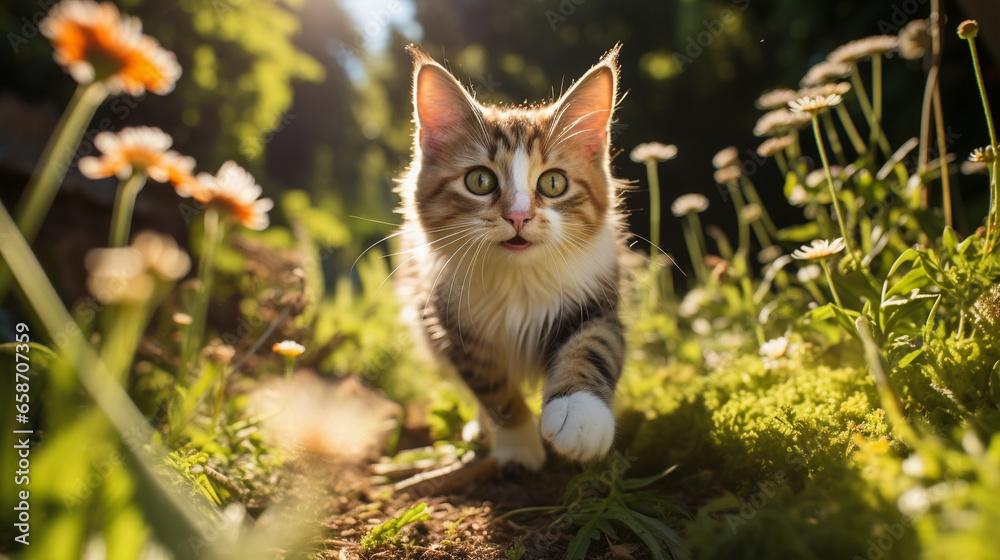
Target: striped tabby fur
x=503, y=312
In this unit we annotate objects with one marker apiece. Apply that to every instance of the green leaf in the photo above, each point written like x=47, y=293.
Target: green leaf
x=908, y=359
x=845, y=317
x=636, y=483
x=928, y=328
x=908, y=255
x=580, y=544
x=913, y=280
x=949, y=241
x=965, y=244
x=388, y=531
x=634, y=521
x=800, y=233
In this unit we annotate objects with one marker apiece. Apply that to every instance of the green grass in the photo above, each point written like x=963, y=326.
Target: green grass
x=846, y=411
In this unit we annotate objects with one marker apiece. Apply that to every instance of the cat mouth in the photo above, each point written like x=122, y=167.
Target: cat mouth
x=516, y=243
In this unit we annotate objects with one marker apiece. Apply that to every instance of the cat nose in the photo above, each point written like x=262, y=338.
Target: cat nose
x=518, y=219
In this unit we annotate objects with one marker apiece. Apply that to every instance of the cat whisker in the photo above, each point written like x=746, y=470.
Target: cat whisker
x=573, y=276
x=570, y=126
x=398, y=233
x=665, y=254
x=430, y=243
x=374, y=221
x=594, y=264
x=430, y=292
x=563, y=139
x=555, y=120
x=484, y=137
x=451, y=289
x=562, y=296
x=372, y=246
x=400, y=265
x=468, y=296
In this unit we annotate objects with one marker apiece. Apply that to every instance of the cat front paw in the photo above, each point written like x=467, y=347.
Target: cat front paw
x=519, y=445
x=579, y=426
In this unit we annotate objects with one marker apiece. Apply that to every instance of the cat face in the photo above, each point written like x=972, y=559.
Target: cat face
x=517, y=184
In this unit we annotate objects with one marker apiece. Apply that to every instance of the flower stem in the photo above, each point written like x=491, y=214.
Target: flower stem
x=943, y=155
x=831, y=132
x=52, y=166
x=877, y=86
x=654, y=202
x=56, y=158
x=833, y=192
x=219, y=371
x=121, y=216
x=779, y=157
x=744, y=227
x=852, y=131
x=925, y=116
x=982, y=93
x=753, y=197
x=877, y=137
x=761, y=231
x=212, y=237
x=992, y=225
x=829, y=280
x=814, y=291
x=993, y=222
x=691, y=227
x=654, y=227
x=934, y=27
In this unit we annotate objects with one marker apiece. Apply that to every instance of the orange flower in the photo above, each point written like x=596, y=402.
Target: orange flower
x=236, y=191
x=288, y=348
x=94, y=42
x=140, y=149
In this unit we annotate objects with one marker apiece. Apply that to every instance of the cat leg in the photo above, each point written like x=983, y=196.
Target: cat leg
x=576, y=402
x=507, y=424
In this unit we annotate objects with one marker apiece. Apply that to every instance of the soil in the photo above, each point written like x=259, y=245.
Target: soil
x=464, y=522
x=467, y=496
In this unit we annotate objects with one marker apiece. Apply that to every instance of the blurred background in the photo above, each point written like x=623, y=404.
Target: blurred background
x=315, y=95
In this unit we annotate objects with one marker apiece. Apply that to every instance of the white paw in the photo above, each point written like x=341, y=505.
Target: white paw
x=579, y=426
x=477, y=431
x=521, y=445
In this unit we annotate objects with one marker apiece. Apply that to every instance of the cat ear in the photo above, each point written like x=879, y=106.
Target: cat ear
x=583, y=114
x=442, y=107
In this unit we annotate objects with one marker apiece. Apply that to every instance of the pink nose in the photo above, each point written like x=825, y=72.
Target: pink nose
x=518, y=219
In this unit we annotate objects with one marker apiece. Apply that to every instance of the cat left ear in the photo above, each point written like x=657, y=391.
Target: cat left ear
x=441, y=105
x=583, y=114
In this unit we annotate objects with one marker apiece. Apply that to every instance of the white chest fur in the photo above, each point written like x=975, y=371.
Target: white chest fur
x=511, y=303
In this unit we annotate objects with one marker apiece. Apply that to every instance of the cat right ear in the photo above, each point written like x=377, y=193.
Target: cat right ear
x=441, y=105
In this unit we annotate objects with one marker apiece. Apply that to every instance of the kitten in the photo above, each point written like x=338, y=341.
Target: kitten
x=512, y=235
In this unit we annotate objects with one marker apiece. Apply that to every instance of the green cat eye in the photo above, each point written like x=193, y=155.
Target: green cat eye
x=552, y=183
x=480, y=181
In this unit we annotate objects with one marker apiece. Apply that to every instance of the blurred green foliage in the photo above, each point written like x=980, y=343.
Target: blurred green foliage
x=799, y=454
